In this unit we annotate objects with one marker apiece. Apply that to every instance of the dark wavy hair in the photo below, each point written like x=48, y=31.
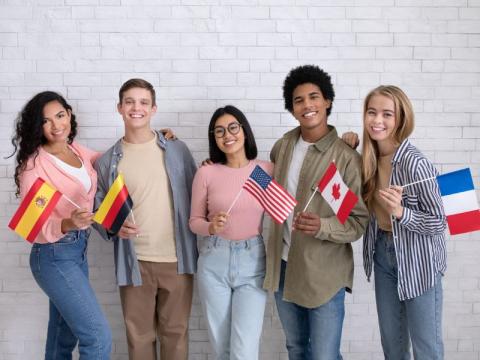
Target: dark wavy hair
x=29, y=136
x=217, y=155
x=307, y=74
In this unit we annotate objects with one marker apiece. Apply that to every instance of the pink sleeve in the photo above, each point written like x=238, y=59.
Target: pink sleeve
x=198, y=216
x=52, y=229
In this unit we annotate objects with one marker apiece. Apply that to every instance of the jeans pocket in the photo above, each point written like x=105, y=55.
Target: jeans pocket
x=257, y=251
x=35, y=259
x=71, y=247
x=205, y=246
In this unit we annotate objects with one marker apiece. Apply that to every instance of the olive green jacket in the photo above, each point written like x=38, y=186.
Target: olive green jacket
x=318, y=266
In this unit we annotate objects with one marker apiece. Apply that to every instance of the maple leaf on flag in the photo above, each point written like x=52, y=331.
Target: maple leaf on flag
x=336, y=191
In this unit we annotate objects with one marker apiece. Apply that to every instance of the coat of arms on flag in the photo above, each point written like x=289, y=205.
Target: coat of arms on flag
x=276, y=201
x=116, y=206
x=459, y=201
x=340, y=198
x=34, y=210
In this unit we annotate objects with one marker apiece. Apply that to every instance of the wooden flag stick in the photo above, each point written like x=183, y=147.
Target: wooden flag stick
x=310, y=200
x=70, y=201
x=419, y=181
x=234, y=201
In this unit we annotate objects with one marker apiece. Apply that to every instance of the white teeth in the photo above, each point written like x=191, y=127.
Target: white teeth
x=375, y=128
x=136, y=116
x=229, y=142
x=310, y=114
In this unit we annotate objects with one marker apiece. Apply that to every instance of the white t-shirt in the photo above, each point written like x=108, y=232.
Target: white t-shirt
x=79, y=173
x=299, y=152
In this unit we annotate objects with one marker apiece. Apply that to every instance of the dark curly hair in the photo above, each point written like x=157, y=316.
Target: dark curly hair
x=307, y=74
x=217, y=155
x=29, y=136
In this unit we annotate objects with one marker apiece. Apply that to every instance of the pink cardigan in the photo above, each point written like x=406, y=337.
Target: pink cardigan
x=44, y=166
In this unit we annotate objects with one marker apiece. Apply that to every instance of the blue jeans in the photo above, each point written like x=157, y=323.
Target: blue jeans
x=418, y=319
x=311, y=334
x=61, y=271
x=230, y=279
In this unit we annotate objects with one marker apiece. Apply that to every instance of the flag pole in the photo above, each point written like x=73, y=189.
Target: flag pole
x=234, y=201
x=70, y=201
x=419, y=181
x=310, y=200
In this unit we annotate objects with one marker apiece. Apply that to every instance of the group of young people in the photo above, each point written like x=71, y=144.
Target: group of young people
x=307, y=262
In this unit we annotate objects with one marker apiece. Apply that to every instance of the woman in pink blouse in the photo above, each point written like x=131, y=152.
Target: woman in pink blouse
x=231, y=266
x=44, y=147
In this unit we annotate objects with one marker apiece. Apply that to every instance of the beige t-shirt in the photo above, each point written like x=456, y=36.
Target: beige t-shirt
x=143, y=167
x=383, y=181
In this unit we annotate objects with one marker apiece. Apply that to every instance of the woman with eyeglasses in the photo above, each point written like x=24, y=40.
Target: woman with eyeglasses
x=231, y=265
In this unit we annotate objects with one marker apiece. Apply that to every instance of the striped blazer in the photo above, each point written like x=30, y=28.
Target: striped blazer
x=419, y=234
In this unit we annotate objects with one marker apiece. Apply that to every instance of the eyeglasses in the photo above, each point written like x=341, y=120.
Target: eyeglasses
x=220, y=131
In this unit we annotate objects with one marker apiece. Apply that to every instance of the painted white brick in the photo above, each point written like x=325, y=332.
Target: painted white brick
x=201, y=54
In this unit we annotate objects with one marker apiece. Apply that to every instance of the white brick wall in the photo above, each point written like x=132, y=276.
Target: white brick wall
x=203, y=54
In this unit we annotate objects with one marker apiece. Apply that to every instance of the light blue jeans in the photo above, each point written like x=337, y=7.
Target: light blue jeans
x=418, y=319
x=230, y=279
x=61, y=271
x=311, y=334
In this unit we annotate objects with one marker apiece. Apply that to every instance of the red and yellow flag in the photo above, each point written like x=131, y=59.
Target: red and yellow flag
x=34, y=210
x=116, y=206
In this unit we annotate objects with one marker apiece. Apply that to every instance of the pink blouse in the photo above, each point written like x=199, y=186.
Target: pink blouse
x=44, y=166
x=215, y=188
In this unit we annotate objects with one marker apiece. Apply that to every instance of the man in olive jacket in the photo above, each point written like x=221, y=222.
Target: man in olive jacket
x=309, y=257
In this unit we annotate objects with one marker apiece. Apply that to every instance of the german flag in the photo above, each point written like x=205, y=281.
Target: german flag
x=116, y=206
x=34, y=210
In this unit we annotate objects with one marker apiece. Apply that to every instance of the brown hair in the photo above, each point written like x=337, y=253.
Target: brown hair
x=404, y=124
x=137, y=83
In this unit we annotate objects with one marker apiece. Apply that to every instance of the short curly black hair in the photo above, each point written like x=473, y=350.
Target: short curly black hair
x=307, y=74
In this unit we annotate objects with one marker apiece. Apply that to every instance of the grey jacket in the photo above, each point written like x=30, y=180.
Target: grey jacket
x=181, y=169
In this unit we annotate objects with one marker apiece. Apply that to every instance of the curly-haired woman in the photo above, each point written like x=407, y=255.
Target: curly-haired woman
x=44, y=147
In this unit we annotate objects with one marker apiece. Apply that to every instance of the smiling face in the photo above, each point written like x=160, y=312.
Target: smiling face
x=310, y=109
x=230, y=144
x=56, y=123
x=379, y=121
x=137, y=108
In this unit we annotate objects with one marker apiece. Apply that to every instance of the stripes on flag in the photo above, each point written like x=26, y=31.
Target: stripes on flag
x=116, y=206
x=459, y=201
x=34, y=210
x=275, y=200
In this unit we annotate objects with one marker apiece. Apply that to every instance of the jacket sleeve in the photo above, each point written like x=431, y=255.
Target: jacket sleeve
x=354, y=227
x=102, y=189
x=423, y=212
x=52, y=228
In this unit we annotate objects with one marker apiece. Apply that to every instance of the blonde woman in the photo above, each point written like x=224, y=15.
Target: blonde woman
x=404, y=242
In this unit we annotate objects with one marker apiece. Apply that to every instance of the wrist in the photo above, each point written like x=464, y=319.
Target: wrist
x=399, y=213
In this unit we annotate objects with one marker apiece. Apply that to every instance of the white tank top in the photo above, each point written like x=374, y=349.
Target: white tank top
x=79, y=173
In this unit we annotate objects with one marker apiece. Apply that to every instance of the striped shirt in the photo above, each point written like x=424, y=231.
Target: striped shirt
x=418, y=235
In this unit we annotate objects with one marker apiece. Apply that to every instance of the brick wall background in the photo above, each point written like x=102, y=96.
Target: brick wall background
x=204, y=54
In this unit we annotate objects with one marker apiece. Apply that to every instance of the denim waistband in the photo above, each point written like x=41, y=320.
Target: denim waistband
x=247, y=243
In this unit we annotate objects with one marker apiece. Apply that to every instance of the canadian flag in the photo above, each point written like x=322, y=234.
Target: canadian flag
x=340, y=198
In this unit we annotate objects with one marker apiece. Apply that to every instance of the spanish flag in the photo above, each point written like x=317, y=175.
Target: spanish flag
x=116, y=206
x=34, y=210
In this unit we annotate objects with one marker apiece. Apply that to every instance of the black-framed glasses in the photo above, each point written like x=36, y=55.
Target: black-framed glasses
x=233, y=128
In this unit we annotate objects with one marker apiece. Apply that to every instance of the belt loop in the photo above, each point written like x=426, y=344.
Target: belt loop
x=247, y=244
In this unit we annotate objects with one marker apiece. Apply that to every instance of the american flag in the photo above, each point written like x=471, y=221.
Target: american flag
x=276, y=201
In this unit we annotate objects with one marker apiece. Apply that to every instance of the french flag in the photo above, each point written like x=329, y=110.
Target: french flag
x=340, y=198
x=459, y=201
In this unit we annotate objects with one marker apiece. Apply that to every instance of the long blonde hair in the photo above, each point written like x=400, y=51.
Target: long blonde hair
x=404, y=124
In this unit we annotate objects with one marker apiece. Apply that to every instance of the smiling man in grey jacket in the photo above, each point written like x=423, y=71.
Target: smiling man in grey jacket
x=155, y=251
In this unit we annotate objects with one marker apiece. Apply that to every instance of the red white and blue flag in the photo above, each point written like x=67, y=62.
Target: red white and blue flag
x=459, y=201
x=340, y=198
x=275, y=200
